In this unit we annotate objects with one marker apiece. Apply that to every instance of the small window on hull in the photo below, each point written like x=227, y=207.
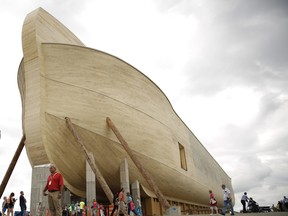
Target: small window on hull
x=182, y=157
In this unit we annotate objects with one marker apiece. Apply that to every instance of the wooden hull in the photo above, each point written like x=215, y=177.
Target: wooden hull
x=59, y=77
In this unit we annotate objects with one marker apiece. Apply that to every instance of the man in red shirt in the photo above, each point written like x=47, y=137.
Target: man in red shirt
x=54, y=185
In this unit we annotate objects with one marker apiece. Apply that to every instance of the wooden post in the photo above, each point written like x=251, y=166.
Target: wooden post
x=91, y=162
x=12, y=165
x=142, y=170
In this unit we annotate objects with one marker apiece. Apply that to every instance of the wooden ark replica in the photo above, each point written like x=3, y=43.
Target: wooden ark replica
x=59, y=77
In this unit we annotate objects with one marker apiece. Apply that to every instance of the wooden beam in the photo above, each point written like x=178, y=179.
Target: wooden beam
x=141, y=168
x=91, y=162
x=12, y=166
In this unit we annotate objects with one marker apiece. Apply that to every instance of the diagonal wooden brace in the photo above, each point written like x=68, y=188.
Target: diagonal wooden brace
x=91, y=162
x=141, y=168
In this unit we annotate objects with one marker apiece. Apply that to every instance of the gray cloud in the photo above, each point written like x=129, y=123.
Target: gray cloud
x=251, y=173
x=242, y=44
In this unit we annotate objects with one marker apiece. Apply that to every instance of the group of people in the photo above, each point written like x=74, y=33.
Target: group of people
x=55, y=185
x=74, y=209
x=282, y=205
x=252, y=205
x=78, y=208
x=97, y=207
x=9, y=202
x=226, y=198
x=121, y=206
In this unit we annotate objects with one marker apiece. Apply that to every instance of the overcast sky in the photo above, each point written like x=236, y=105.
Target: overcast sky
x=223, y=64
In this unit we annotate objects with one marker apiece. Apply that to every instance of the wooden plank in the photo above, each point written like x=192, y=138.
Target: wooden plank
x=91, y=162
x=140, y=167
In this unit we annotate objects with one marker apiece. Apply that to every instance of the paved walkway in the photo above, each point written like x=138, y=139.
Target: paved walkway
x=251, y=214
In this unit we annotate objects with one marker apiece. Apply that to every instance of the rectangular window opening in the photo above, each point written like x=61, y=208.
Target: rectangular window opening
x=182, y=157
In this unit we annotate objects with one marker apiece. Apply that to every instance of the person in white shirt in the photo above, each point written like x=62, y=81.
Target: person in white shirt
x=227, y=200
x=244, y=199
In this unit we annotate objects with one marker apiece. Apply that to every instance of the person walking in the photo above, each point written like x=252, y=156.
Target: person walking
x=131, y=204
x=213, y=203
x=54, y=185
x=227, y=200
x=82, y=207
x=11, y=201
x=4, y=205
x=94, y=207
x=138, y=206
x=72, y=209
x=122, y=205
x=115, y=203
x=285, y=203
x=77, y=209
x=22, y=204
x=244, y=199
x=101, y=209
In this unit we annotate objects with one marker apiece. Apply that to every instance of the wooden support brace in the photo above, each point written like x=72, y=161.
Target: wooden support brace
x=12, y=165
x=142, y=170
x=91, y=162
